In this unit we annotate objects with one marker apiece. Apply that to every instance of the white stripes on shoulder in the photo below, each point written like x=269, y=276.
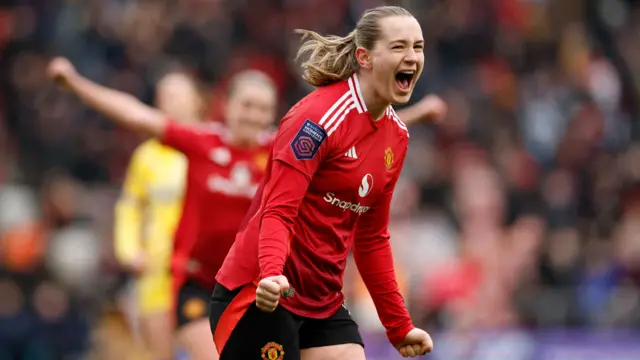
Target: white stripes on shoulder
x=337, y=113
x=356, y=93
x=394, y=116
x=350, y=100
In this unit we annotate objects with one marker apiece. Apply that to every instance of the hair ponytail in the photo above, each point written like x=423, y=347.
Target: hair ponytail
x=329, y=59
x=333, y=58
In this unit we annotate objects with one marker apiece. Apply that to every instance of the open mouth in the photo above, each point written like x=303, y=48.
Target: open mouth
x=404, y=79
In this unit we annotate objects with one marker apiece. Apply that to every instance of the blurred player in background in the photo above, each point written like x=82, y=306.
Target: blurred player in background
x=147, y=215
x=225, y=166
x=228, y=164
x=333, y=168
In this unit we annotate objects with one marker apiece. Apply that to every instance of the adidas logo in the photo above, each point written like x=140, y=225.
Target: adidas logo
x=352, y=153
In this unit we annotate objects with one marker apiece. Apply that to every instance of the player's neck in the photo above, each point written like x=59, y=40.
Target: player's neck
x=239, y=142
x=375, y=104
x=185, y=120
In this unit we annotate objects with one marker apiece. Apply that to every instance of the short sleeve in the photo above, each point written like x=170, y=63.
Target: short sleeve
x=193, y=141
x=301, y=144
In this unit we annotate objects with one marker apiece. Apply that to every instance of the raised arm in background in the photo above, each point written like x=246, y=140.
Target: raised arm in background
x=430, y=108
x=124, y=109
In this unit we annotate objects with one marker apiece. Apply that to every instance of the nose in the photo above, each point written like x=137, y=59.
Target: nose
x=411, y=56
x=254, y=116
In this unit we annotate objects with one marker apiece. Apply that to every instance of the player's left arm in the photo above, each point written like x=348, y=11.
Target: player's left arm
x=374, y=259
x=431, y=108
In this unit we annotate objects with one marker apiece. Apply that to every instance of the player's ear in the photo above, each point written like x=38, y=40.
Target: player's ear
x=364, y=58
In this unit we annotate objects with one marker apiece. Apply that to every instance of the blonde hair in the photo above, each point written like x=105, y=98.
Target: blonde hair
x=246, y=77
x=332, y=58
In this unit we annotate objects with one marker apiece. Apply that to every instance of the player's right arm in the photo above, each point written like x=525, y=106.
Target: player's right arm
x=299, y=148
x=129, y=212
x=122, y=108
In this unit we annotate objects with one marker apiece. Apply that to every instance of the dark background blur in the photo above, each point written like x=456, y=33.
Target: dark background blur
x=520, y=211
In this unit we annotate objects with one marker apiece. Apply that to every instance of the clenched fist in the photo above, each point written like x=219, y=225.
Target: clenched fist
x=60, y=69
x=416, y=343
x=433, y=108
x=269, y=291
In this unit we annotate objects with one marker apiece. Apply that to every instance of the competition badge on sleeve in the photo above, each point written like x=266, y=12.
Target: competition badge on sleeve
x=307, y=141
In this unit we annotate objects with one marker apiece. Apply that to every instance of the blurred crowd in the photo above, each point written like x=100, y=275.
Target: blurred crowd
x=522, y=208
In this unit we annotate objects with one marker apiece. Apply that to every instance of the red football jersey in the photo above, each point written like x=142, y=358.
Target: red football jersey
x=328, y=186
x=222, y=181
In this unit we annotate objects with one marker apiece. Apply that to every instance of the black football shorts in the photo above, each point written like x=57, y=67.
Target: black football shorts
x=192, y=303
x=242, y=331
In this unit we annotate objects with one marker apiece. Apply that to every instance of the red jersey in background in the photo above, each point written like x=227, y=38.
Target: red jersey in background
x=328, y=186
x=221, y=183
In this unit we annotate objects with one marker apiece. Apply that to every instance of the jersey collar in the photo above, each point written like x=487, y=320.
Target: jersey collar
x=356, y=94
x=358, y=100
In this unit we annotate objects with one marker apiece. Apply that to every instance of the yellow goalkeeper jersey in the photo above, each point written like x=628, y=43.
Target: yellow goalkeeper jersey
x=146, y=217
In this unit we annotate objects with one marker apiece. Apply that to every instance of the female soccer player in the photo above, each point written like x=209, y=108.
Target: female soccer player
x=332, y=170
x=225, y=164
x=147, y=214
x=221, y=180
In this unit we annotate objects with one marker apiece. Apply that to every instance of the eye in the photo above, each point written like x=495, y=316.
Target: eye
x=419, y=46
x=397, y=47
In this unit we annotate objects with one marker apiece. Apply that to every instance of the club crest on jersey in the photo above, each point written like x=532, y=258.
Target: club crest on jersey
x=272, y=351
x=261, y=160
x=307, y=141
x=388, y=158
